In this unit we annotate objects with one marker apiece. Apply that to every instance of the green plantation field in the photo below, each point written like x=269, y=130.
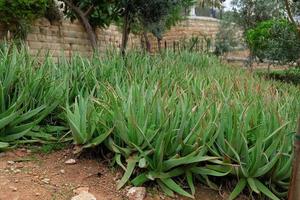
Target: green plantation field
x=172, y=119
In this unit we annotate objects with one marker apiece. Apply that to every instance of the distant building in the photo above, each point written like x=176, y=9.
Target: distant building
x=198, y=11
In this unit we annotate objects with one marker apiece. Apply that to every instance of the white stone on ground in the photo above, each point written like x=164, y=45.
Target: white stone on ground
x=136, y=193
x=70, y=162
x=84, y=196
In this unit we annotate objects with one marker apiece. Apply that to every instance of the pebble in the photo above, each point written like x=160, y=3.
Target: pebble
x=17, y=171
x=10, y=162
x=136, y=193
x=62, y=171
x=70, y=162
x=46, y=180
x=84, y=196
x=14, y=189
x=37, y=194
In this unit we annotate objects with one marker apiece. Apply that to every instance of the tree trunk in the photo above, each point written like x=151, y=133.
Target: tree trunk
x=294, y=191
x=85, y=22
x=125, y=34
x=148, y=45
x=289, y=12
x=159, y=44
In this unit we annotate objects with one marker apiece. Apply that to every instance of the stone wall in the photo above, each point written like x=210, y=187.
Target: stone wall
x=70, y=38
x=200, y=27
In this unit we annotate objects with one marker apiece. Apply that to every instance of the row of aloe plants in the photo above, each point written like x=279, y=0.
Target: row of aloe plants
x=175, y=119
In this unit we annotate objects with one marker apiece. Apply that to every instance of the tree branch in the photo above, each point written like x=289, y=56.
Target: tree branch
x=89, y=10
x=289, y=12
x=85, y=22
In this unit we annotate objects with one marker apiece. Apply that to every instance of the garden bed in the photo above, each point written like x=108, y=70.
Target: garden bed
x=171, y=120
x=289, y=76
x=25, y=178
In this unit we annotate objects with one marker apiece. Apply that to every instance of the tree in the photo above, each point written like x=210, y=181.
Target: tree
x=249, y=13
x=292, y=9
x=150, y=15
x=168, y=14
x=159, y=15
x=17, y=15
x=92, y=14
x=275, y=40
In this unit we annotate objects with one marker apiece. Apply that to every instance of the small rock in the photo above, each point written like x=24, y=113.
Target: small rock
x=118, y=176
x=17, y=171
x=70, y=162
x=136, y=193
x=14, y=189
x=2, y=154
x=37, y=194
x=84, y=196
x=16, y=181
x=46, y=180
x=19, y=166
x=62, y=171
x=81, y=190
x=29, y=151
x=10, y=162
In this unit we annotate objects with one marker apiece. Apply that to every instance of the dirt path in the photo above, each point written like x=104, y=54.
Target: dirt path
x=27, y=176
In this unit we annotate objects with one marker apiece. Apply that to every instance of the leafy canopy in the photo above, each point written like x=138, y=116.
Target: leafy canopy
x=275, y=40
x=18, y=15
x=100, y=13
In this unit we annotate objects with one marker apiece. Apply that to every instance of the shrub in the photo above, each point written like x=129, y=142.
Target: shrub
x=176, y=120
x=19, y=14
x=226, y=38
x=275, y=40
x=291, y=75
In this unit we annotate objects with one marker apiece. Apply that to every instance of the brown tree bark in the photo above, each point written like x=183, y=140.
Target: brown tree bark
x=159, y=44
x=294, y=190
x=85, y=22
x=147, y=42
x=289, y=12
x=125, y=34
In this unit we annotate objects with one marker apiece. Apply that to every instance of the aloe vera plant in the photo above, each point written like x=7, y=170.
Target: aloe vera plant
x=27, y=97
x=84, y=123
x=176, y=120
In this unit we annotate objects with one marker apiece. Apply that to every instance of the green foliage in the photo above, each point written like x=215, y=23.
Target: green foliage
x=226, y=38
x=156, y=16
x=27, y=99
x=276, y=40
x=49, y=148
x=84, y=121
x=175, y=120
x=99, y=13
x=291, y=75
x=52, y=13
x=249, y=13
x=19, y=14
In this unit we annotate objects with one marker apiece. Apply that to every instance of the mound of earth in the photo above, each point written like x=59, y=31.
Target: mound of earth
x=35, y=176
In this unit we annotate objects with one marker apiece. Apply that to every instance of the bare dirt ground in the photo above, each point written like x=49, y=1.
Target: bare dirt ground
x=35, y=176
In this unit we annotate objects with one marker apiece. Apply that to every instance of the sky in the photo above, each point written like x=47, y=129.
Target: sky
x=227, y=4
